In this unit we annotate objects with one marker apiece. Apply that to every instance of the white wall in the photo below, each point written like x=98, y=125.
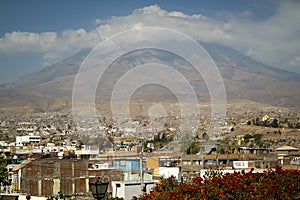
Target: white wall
x=129, y=189
x=167, y=172
x=27, y=138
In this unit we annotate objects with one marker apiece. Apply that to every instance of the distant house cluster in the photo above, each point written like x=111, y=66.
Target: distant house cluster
x=48, y=155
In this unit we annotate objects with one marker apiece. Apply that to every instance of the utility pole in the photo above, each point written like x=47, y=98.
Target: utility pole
x=141, y=167
x=202, y=156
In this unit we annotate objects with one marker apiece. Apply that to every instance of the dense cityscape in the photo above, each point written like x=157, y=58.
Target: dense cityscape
x=48, y=146
x=149, y=100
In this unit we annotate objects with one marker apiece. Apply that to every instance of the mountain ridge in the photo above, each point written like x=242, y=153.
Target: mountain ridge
x=243, y=76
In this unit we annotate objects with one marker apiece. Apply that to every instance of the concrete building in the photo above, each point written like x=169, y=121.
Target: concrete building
x=30, y=138
x=287, y=154
x=192, y=164
x=127, y=190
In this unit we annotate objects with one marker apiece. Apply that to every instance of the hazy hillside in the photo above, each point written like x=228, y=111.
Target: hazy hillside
x=244, y=78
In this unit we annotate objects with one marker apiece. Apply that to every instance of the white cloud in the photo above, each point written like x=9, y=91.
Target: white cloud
x=295, y=61
x=274, y=41
x=251, y=53
x=53, y=46
x=26, y=41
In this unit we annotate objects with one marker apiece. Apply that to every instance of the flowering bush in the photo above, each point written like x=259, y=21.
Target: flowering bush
x=272, y=184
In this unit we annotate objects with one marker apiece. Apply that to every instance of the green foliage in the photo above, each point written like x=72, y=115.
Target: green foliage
x=209, y=174
x=3, y=172
x=205, y=136
x=163, y=137
x=84, y=139
x=247, y=137
x=257, y=137
x=290, y=125
x=60, y=195
x=185, y=141
x=193, y=149
x=275, y=123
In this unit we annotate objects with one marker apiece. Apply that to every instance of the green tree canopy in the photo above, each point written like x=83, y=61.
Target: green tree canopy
x=3, y=171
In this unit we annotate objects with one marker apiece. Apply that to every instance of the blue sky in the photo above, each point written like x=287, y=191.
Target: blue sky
x=35, y=34
x=55, y=15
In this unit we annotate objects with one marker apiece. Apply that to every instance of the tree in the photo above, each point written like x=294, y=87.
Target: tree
x=205, y=136
x=185, y=141
x=257, y=121
x=193, y=149
x=163, y=137
x=3, y=172
x=85, y=139
x=275, y=123
x=257, y=136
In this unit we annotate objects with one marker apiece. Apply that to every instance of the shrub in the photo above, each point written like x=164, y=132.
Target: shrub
x=271, y=184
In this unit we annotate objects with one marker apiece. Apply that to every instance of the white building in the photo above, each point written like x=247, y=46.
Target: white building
x=167, y=172
x=31, y=138
x=127, y=190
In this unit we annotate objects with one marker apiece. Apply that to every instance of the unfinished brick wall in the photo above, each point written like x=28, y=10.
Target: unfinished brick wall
x=45, y=177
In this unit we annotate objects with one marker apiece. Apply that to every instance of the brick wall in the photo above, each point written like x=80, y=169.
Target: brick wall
x=46, y=177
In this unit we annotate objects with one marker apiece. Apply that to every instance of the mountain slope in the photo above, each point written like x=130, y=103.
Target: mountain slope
x=244, y=77
x=230, y=58
x=53, y=81
x=249, y=79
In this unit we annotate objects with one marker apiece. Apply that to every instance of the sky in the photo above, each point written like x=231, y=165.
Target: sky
x=35, y=34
